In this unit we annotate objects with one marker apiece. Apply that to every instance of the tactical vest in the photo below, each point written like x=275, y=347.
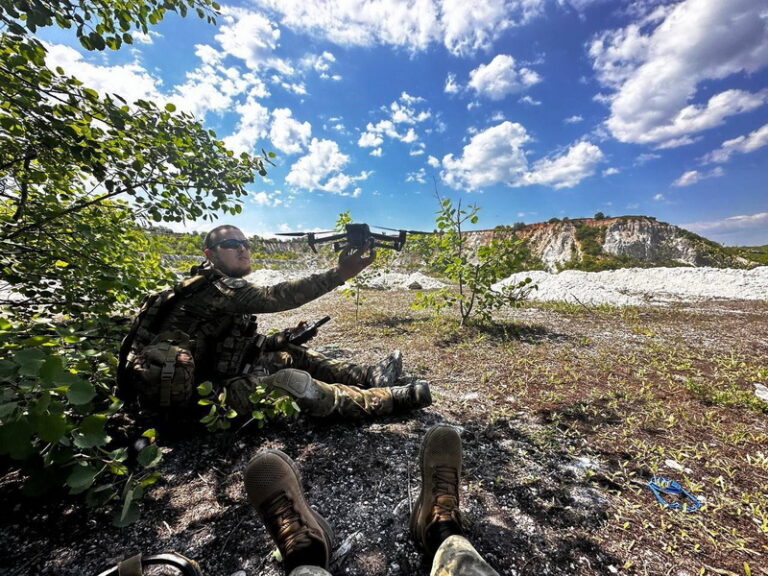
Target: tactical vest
x=145, y=327
x=160, y=364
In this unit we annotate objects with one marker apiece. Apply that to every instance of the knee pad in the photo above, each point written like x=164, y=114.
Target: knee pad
x=297, y=383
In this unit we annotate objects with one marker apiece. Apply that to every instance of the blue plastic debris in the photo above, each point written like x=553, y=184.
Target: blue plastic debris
x=671, y=495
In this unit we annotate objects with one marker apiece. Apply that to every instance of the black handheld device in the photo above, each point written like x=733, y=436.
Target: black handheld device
x=307, y=332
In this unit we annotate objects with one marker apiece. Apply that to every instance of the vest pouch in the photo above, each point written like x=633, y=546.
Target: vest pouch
x=164, y=373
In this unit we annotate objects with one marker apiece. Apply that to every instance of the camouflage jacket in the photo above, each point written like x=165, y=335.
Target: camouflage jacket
x=216, y=314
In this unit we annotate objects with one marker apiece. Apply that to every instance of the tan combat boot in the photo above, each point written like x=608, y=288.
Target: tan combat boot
x=274, y=488
x=436, y=513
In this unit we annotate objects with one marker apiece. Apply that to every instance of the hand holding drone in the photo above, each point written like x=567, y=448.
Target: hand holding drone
x=357, y=237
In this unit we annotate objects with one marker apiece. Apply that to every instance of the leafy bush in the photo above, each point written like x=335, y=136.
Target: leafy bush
x=72, y=258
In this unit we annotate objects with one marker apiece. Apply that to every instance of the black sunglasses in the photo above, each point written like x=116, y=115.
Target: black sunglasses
x=231, y=244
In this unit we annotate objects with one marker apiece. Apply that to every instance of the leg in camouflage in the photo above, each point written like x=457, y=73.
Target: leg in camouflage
x=384, y=373
x=457, y=557
x=326, y=400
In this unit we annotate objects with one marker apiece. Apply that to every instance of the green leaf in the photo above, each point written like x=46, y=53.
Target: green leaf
x=30, y=361
x=149, y=456
x=127, y=515
x=205, y=388
x=91, y=433
x=81, y=392
x=16, y=439
x=51, y=427
x=52, y=367
x=7, y=409
x=81, y=478
x=170, y=107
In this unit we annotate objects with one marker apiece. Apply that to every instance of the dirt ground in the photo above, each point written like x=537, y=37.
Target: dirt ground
x=565, y=412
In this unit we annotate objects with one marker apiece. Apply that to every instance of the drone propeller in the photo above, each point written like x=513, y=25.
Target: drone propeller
x=401, y=230
x=305, y=233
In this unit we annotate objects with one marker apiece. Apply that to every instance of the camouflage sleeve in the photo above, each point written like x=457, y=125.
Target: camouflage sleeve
x=252, y=299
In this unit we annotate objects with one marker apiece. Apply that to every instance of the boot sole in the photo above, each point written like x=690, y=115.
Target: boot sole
x=326, y=528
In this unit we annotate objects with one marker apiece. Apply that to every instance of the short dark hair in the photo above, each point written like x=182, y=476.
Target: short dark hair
x=215, y=235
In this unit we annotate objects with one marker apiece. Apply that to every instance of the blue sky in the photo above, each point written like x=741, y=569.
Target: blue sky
x=531, y=109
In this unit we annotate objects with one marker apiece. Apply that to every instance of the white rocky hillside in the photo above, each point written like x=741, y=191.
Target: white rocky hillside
x=640, y=238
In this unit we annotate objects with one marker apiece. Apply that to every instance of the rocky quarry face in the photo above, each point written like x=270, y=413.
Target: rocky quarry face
x=641, y=238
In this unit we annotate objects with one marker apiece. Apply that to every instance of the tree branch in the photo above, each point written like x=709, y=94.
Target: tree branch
x=70, y=210
x=24, y=189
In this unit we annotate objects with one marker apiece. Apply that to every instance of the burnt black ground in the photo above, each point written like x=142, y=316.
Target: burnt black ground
x=535, y=498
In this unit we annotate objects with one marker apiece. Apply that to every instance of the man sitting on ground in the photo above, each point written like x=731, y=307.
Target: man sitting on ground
x=204, y=329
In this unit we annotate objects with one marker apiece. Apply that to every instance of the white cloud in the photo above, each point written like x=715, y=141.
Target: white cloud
x=575, y=119
x=432, y=161
x=741, y=145
x=131, y=81
x=694, y=176
x=319, y=62
x=501, y=78
x=213, y=87
x=646, y=157
x=289, y=135
x=372, y=138
x=567, y=170
x=468, y=27
x=530, y=101
x=249, y=36
x=402, y=117
x=252, y=127
x=752, y=226
x=420, y=176
x=322, y=169
x=655, y=67
x=450, y=85
x=610, y=171
x=335, y=124
x=492, y=157
x=404, y=110
x=142, y=38
x=580, y=5
x=294, y=87
x=658, y=197
x=266, y=199
x=463, y=28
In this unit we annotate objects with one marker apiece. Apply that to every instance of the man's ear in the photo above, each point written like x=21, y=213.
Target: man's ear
x=207, y=252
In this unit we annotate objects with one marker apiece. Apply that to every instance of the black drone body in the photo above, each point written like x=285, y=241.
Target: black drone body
x=357, y=237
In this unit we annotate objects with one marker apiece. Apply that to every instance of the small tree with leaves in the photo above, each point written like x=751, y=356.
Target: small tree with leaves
x=474, y=271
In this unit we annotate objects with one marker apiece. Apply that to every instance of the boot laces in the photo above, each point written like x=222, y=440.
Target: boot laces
x=291, y=533
x=445, y=486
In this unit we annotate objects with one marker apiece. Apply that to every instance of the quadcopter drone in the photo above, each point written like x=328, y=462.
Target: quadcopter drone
x=357, y=236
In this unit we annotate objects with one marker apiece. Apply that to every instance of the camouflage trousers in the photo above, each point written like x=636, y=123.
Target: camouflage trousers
x=455, y=557
x=321, y=386
x=319, y=366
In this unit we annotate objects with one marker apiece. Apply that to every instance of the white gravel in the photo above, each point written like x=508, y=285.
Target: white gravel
x=626, y=287
x=374, y=280
x=637, y=286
